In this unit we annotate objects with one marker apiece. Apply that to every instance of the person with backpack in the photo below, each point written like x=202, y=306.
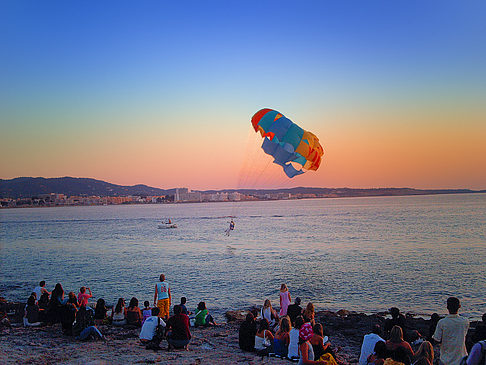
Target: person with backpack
x=152, y=330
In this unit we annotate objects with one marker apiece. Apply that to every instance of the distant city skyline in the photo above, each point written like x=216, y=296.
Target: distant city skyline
x=162, y=93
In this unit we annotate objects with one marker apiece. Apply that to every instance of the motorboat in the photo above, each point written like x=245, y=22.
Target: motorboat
x=167, y=225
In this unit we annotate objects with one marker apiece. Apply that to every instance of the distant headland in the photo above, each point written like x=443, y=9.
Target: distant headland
x=68, y=191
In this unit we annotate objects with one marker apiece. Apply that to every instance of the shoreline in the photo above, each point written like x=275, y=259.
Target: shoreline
x=256, y=200
x=212, y=345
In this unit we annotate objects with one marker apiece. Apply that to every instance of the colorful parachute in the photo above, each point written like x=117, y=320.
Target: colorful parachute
x=287, y=142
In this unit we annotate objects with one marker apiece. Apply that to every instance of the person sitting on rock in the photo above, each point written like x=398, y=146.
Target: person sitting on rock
x=269, y=313
x=43, y=302
x=119, y=315
x=281, y=340
x=425, y=354
x=84, y=328
x=134, y=315
x=146, y=311
x=178, y=333
x=203, y=318
x=398, y=357
x=306, y=351
x=397, y=344
x=294, y=338
x=40, y=289
x=263, y=338
x=56, y=304
x=31, y=318
x=183, y=306
x=320, y=346
x=397, y=319
x=379, y=354
x=479, y=333
x=309, y=314
x=150, y=325
x=369, y=342
x=246, y=334
x=434, y=319
x=68, y=315
x=100, y=316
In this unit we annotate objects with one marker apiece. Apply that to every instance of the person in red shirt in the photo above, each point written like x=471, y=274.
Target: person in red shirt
x=178, y=335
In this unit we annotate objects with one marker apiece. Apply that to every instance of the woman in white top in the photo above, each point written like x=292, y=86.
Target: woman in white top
x=119, y=315
x=263, y=338
x=294, y=338
x=269, y=313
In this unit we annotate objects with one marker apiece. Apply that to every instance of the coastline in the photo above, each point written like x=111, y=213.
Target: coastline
x=212, y=345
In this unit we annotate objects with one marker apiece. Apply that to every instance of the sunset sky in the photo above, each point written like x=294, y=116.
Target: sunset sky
x=162, y=92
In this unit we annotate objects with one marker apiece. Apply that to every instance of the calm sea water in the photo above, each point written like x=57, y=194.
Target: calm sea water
x=364, y=254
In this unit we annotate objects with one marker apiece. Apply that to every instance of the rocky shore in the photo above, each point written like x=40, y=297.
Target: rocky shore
x=213, y=345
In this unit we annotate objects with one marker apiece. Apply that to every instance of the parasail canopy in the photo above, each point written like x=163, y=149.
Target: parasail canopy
x=292, y=147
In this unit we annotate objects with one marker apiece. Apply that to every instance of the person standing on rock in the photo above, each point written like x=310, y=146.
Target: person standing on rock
x=451, y=334
x=162, y=291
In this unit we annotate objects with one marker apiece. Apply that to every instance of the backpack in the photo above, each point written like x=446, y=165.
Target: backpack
x=483, y=355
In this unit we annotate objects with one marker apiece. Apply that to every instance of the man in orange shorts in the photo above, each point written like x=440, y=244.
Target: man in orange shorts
x=162, y=290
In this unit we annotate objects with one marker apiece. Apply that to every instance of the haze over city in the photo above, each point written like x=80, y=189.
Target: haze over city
x=162, y=93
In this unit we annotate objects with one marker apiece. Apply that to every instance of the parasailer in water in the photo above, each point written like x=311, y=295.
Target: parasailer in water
x=231, y=227
x=292, y=147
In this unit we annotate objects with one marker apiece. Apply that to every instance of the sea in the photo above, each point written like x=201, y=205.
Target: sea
x=360, y=254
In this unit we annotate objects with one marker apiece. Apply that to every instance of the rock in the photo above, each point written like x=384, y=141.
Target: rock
x=232, y=316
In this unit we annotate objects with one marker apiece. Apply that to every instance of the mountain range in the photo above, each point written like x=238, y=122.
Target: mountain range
x=27, y=187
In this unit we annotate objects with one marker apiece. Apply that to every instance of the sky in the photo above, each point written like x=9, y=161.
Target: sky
x=162, y=93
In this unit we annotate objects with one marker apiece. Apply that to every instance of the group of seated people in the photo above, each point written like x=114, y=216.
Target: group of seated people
x=176, y=328
x=73, y=312
x=294, y=335
x=78, y=319
x=398, y=344
x=395, y=350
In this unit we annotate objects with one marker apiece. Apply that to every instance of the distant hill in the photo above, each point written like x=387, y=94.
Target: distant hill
x=26, y=187
x=350, y=192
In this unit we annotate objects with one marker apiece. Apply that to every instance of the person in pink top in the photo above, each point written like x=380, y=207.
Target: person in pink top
x=284, y=300
x=83, y=296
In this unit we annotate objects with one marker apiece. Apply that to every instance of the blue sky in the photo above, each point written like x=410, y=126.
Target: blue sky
x=73, y=67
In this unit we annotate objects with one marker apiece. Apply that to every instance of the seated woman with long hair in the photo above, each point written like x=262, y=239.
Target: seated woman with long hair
x=134, y=314
x=100, y=312
x=54, y=308
x=281, y=340
x=119, y=315
x=269, y=313
x=309, y=314
x=425, y=354
x=263, y=338
x=322, y=351
x=397, y=344
x=32, y=317
x=69, y=314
